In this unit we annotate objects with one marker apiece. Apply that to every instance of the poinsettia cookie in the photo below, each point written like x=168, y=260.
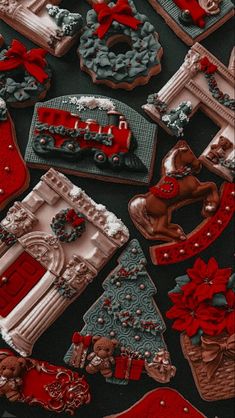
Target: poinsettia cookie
x=204, y=313
x=109, y=24
x=14, y=176
x=38, y=383
x=161, y=403
x=193, y=20
x=122, y=337
x=24, y=75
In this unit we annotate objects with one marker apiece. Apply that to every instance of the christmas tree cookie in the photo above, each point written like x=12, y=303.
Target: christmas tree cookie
x=125, y=327
x=14, y=176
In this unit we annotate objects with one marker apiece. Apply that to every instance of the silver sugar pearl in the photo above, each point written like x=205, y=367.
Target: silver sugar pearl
x=10, y=146
x=71, y=146
x=142, y=286
x=186, y=410
x=112, y=334
x=227, y=208
x=147, y=354
x=4, y=279
x=124, y=324
x=100, y=320
x=7, y=169
x=118, y=284
x=166, y=255
x=134, y=251
x=1, y=191
x=137, y=338
x=162, y=403
x=128, y=297
x=42, y=141
x=196, y=245
x=139, y=312
x=182, y=251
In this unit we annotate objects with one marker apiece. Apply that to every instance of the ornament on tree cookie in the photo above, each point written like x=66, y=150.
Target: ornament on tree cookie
x=203, y=311
x=24, y=75
x=112, y=23
x=14, y=176
x=126, y=320
x=161, y=403
x=38, y=383
x=151, y=212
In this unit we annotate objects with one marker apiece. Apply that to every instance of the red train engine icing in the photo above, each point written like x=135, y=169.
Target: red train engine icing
x=65, y=135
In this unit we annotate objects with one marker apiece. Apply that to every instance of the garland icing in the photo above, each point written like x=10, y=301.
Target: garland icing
x=64, y=217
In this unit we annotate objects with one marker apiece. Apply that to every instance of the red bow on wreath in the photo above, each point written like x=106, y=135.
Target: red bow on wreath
x=121, y=13
x=74, y=219
x=78, y=338
x=33, y=61
x=207, y=66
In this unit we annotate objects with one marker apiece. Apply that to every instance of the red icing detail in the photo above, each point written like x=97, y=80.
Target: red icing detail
x=32, y=61
x=78, y=338
x=13, y=171
x=121, y=12
x=198, y=14
x=128, y=369
x=207, y=66
x=204, y=235
x=168, y=188
x=21, y=277
x=161, y=403
x=56, y=117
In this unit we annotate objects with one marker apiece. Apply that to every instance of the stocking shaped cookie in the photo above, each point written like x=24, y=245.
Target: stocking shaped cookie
x=14, y=176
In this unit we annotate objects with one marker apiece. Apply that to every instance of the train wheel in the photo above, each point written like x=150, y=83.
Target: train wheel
x=70, y=149
x=116, y=161
x=43, y=144
x=100, y=159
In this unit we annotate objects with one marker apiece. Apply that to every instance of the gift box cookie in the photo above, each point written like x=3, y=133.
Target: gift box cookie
x=122, y=337
x=39, y=383
x=203, y=311
x=53, y=244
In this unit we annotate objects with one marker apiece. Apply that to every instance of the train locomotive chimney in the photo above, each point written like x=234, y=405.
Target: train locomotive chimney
x=114, y=117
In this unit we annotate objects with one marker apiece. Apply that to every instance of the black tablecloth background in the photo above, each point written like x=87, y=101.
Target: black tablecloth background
x=68, y=79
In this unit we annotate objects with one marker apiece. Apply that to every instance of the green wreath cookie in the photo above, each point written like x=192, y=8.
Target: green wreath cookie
x=68, y=217
x=24, y=75
x=111, y=24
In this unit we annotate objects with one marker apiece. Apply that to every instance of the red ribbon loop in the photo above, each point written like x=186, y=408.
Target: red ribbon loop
x=121, y=13
x=207, y=66
x=84, y=339
x=33, y=61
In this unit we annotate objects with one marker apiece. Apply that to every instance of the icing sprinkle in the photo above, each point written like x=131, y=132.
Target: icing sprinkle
x=91, y=102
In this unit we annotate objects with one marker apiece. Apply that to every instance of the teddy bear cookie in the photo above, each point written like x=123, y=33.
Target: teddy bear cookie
x=14, y=176
x=38, y=383
x=101, y=358
x=109, y=24
x=44, y=22
x=178, y=187
x=92, y=136
x=125, y=327
x=193, y=20
x=25, y=76
x=53, y=244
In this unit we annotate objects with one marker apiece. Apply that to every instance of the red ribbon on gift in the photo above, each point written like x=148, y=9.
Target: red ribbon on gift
x=207, y=66
x=33, y=61
x=121, y=12
x=84, y=339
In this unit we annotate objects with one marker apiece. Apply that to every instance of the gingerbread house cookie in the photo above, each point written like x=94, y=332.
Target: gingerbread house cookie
x=92, y=136
x=202, y=82
x=53, y=244
x=194, y=20
x=43, y=22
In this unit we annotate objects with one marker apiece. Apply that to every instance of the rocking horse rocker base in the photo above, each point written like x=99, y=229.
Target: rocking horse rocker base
x=151, y=212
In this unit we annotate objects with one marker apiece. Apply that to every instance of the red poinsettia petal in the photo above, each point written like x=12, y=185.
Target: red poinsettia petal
x=230, y=322
x=176, y=312
x=222, y=275
x=212, y=329
x=176, y=298
x=212, y=267
x=203, y=292
x=188, y=289
x=193, y=328
x=197, y=273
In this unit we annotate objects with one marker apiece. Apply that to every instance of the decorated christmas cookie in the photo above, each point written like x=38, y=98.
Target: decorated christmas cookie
x=93, y=137
x=14, y=176
x=203, y=311
x=161, y=403
x=52, y=245
x=178, y=187
x=44, y=23
x=113, y=23
x=202, y=82
x=24, y=75
x=122, y=337
x=38, y=383
x=193, y=20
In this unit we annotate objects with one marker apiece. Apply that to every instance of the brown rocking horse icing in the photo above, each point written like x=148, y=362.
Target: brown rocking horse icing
x=178, y=187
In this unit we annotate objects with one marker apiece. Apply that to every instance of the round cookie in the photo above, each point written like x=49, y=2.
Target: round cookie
x=110, y=24
x=24, y=75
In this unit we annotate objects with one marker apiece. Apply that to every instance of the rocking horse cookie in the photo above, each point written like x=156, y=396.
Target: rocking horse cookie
x=178, y=187
x=194, y=20
x=109, y=24
x=25, y=76
x=44, y=23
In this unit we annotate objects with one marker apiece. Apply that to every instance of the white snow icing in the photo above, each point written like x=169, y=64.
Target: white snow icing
x=91, y=102
x=76, y=191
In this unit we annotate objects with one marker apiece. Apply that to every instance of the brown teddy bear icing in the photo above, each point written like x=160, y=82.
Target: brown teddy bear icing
x=101, y=359
x=11, y=371
x=218, y=151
